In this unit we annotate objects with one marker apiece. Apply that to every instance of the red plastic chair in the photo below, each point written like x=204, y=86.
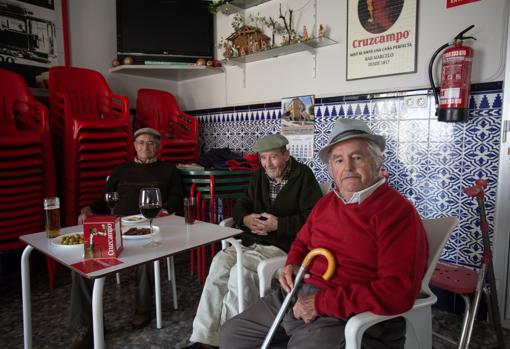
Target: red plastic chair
x=465, y=282
x=92, y=129
x=159, y=110
x=27, y=174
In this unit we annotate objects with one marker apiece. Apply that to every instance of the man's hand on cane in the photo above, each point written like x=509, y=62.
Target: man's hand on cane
x=305, y=306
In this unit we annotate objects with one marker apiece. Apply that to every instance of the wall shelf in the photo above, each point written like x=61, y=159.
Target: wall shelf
x=309, y=45
x=239, y=5
x=170, y=72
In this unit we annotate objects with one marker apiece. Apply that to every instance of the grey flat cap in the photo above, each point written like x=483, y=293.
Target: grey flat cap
x=270, y=142
x=345, y=129
x=147, y=131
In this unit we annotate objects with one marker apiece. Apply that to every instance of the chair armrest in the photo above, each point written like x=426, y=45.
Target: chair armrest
x=266, y=269
x=227, y=222
x=358, y=324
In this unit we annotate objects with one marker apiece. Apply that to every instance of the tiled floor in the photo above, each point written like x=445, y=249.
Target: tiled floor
x=50, y=313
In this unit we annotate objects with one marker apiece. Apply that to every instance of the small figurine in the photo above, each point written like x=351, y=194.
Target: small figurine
x=242, y=51
x=235, y=51
x=263, y=45
x=304, y=36
x=322, y=31
x=255, y=46
x=227, y=53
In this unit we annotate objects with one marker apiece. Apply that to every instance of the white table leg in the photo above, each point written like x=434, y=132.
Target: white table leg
x=240, y=266
x=157, y=290
x=171, y=267
x=97, y=313
x=25, y=289
x=168, y=268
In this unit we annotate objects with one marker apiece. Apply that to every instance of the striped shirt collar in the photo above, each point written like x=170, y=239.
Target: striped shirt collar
x=359, y=196
x=274, y=187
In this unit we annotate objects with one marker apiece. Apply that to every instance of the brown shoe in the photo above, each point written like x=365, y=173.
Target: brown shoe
x=140, y=320
x=84, y=339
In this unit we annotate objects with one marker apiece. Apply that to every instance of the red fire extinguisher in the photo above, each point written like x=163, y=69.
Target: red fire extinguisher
x=452, y=104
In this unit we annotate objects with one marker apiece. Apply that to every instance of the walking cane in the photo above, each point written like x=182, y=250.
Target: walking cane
x=299, y=276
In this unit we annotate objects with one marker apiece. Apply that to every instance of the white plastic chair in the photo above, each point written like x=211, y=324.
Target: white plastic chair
x=325, y=187
x=418, y=318
x=229, y=222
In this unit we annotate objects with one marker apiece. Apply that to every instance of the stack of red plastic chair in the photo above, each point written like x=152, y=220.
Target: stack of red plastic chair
x=159, y=110
x=91, y=129
x=26, y=162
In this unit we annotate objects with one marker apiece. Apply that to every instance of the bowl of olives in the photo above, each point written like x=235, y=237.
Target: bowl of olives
x=69, y=240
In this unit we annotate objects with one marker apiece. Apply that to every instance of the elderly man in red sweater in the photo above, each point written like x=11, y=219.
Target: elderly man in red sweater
x=380, y=248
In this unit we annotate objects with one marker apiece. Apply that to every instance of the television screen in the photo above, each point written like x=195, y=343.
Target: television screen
x=165, y=29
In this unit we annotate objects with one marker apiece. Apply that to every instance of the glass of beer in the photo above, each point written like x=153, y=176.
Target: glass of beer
x=52, y=216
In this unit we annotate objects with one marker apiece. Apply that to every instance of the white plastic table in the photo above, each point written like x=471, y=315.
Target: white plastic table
x=176, y=237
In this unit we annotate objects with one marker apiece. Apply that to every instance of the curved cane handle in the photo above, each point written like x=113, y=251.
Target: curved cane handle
x=322, y=252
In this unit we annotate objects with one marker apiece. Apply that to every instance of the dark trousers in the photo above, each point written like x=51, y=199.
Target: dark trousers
x=248, y=329
x=81, y=295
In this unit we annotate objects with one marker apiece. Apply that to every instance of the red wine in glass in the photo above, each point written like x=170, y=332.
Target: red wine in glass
x=150, y=211
x=150, y=204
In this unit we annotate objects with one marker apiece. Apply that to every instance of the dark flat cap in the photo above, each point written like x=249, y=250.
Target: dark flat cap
x=147, y=131
x=345, y=129
x=270, y=142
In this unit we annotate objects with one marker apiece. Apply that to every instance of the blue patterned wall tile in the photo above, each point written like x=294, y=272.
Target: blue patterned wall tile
x=413, y=154
x=448, y=155
x=484, y=129
x=413, y=131
x=386, y=109
x=443, y=132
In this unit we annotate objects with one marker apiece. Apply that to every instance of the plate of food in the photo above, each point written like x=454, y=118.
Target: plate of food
x=69, y=240
x=139, y=232
x=134, y=219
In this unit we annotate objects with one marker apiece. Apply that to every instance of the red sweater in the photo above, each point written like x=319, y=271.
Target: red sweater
x=381, y=251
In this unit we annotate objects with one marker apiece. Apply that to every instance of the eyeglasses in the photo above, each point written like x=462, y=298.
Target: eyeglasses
x=142, y=143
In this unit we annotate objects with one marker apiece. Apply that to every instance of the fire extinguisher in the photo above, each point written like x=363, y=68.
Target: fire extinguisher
x=452, y=104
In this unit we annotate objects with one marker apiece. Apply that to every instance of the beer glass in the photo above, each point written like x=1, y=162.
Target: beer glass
x=52, y=216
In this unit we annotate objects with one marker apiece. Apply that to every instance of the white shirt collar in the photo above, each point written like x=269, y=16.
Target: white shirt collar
x=154, y=159
x=359, y=196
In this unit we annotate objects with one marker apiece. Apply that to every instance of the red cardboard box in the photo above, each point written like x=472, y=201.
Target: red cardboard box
x=102, y=237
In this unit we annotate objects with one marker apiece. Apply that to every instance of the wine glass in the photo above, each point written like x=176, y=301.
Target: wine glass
x=111, y=199
x=150, y=205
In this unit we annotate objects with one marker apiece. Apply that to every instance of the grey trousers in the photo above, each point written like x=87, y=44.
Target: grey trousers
x=248, y=329
x=81, y=295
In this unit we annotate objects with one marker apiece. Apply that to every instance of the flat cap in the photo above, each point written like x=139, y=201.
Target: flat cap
x=270, y=142
x=147, y=131
x=345, y=129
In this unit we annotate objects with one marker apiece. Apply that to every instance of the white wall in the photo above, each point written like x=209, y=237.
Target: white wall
x=92, y=28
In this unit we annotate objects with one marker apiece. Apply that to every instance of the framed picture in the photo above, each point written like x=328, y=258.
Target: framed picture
x=381, y=37
x=33, y=37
